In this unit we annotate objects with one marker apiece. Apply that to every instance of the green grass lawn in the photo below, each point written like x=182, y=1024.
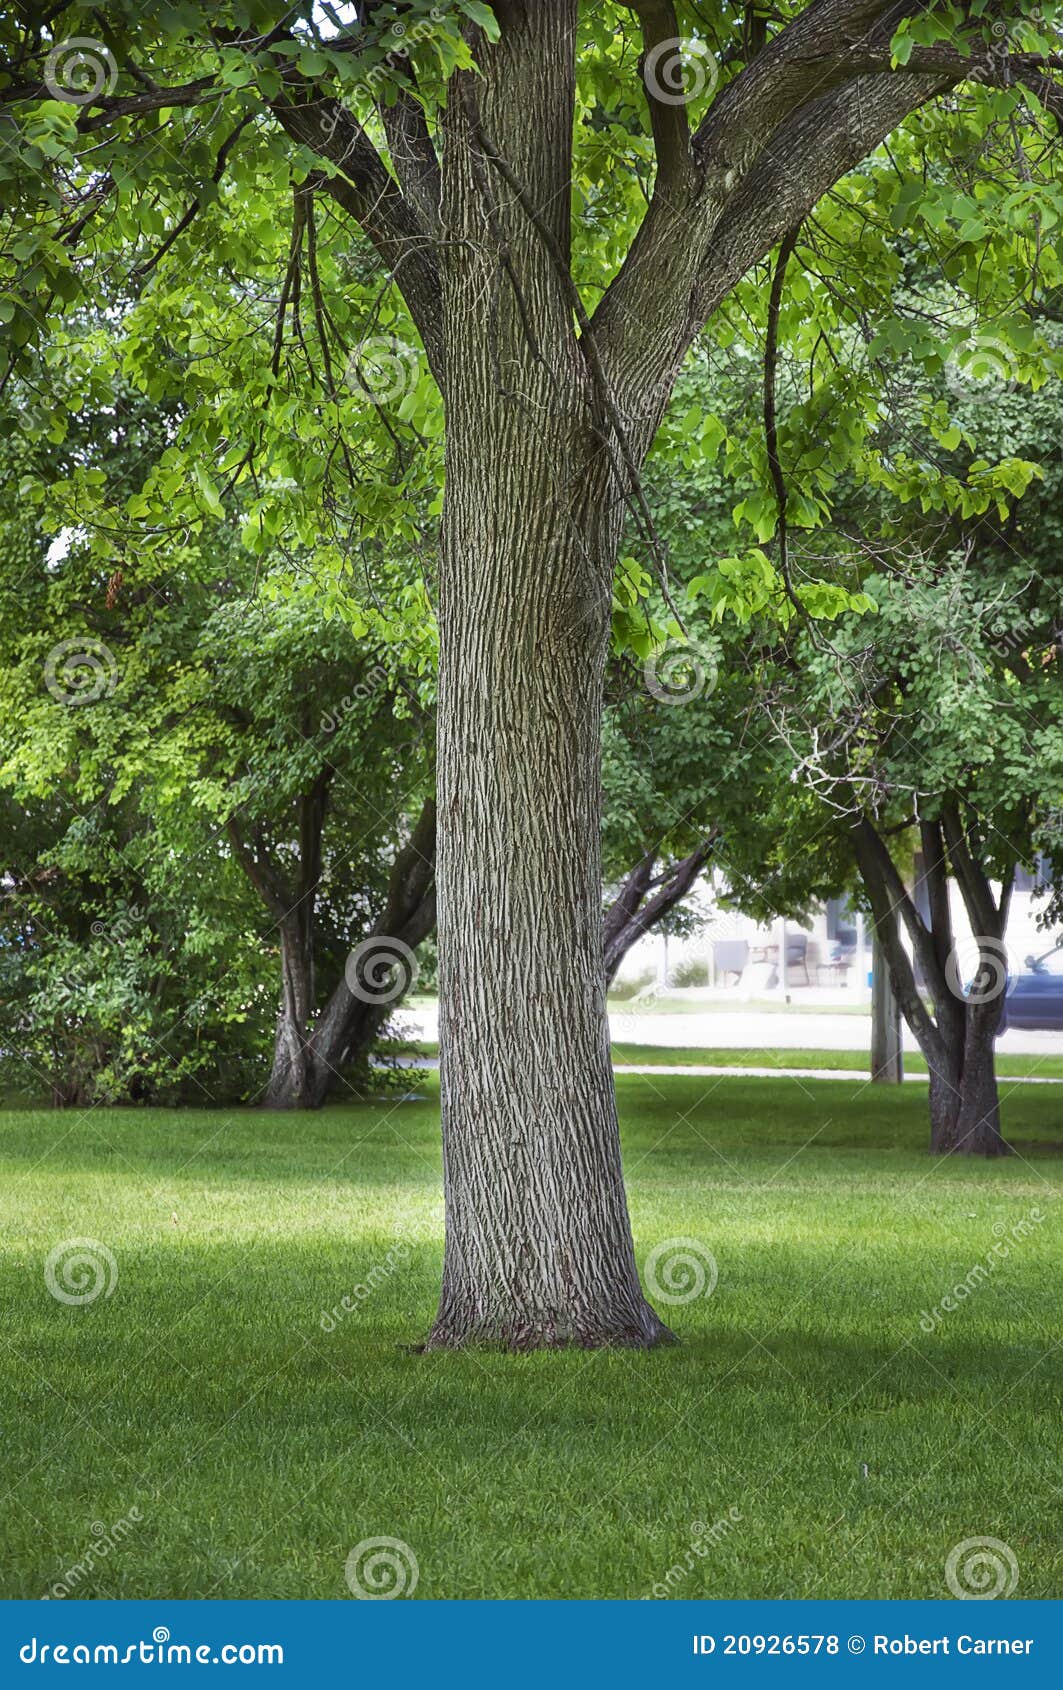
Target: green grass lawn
x=845, y=1450
x=1015, y=1067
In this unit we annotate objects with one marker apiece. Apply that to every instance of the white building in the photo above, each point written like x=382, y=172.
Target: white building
x=828, y=957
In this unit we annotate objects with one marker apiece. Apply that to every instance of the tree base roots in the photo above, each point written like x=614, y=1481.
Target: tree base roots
x=451, y=1332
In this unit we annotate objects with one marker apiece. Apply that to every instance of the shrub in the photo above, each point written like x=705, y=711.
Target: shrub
x=631, y=985
x=692, y=971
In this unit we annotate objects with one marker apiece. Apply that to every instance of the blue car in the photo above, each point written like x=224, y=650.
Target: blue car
x=1034, y=998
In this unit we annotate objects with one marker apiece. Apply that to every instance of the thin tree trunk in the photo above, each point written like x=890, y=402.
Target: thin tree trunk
x=359, y=1006
x=289, y=1081
x=887, y=1054
x=971, y=1126
x=957, y=1040
x=634, y=913
x=292, y=906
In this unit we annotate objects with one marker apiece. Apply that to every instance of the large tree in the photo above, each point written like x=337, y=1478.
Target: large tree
x=555, y=361
x=178, y=721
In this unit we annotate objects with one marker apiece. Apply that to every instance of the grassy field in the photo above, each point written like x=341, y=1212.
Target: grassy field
x=835, y=1445
x=1008, y=1066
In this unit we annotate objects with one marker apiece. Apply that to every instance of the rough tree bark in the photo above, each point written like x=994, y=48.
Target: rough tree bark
x=957, y=1038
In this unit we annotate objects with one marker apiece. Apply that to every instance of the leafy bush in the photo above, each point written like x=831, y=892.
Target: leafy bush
x=631, y=985
x=691, y=971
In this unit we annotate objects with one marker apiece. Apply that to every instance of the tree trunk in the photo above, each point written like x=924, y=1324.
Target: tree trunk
x=965, y=1115
x=945, y=1071
x=887, y=1055
x=539, y=1251
x=367, y=995
x=291, y=905
x=348, y=1024
x=289, y=1082
x=957, y=1040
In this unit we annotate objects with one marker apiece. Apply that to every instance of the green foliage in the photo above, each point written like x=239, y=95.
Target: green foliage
x=220, y=284
x=690, y=971
x=128, y=977
x=232, y=442
x=152, y=698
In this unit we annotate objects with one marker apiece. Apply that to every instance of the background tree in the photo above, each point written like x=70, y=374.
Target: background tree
x=198, y=697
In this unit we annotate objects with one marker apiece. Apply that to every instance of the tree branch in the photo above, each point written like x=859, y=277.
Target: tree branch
x=630, y=918
x=788, y=127
x=668, y=117
x=819, y=145
x=267, y=884
x=973, y=881
x=875, y=866
x=362, y=186
x=412, y=154
x=935, y=877
x=771, y=430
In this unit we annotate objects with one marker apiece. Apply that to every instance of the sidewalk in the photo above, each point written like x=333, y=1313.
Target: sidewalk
x=754, y=1029
x=861, y=1075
